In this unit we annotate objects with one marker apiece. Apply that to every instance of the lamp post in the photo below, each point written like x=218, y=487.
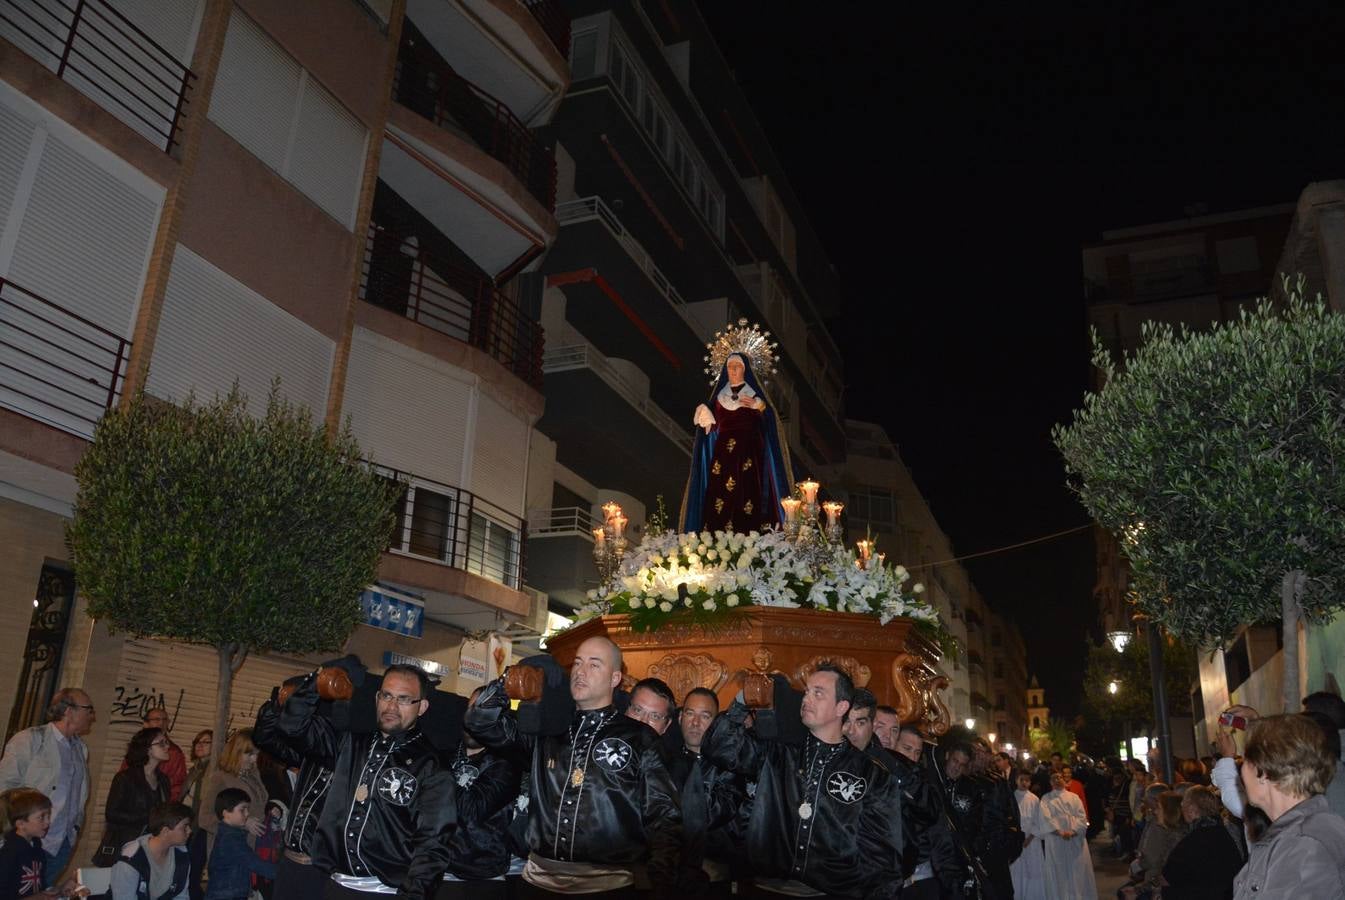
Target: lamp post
x=1159, y=678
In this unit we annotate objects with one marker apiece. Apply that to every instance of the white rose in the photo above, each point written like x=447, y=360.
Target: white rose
x=918, y=589
x=650, y=602
x=665, y=606
x=732, y=600
x=708, y=605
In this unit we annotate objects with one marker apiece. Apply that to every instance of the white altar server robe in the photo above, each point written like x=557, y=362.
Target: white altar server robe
x=1069, y=866
x=1029, y=870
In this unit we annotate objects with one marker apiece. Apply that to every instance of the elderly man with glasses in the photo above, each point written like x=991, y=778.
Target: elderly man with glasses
x=53, y=759
x=390, y=811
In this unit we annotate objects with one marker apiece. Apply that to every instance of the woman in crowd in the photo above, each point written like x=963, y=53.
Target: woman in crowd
x=237, y=769
x=155, y=866
x=1204, y=863
x=1069, y=866
x=1166, y=827
x=193, y=795
x=135, y=791
x=1285, y=771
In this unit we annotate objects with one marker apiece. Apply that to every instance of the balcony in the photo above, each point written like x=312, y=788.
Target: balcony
x=622, y=302
x=55, y=366
x=404, y=278
x=428, y=86
x=560, y=552
x=1152, y=281
x=553, y=20
x=449, y=545
x=99, y=52
x=608, y=430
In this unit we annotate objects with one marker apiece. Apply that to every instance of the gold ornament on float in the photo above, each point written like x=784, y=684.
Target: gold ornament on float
x=747, y=340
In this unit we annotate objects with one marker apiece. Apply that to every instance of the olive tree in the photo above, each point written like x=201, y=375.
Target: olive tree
x=209, y=525
x=1217, y=458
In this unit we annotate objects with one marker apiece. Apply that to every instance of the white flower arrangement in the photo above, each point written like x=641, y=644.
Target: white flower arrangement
x=702, y=577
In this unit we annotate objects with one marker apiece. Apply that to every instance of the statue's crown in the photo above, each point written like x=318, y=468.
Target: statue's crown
x=747, y=340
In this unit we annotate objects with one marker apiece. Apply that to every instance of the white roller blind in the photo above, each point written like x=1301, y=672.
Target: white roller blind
x=182, y=678
x=327, y=158
x=408, y=409
x=172, y=26
x=256, y=91
x=16, y=136
x=214, y=329
x=499, y=456
x=270, y=105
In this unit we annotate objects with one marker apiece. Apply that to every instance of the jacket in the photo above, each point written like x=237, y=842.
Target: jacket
x=711, y=799
x=828, y=816
x=1302, y=854
x=129, y=801
x=32, y=759
x=310, y=788
x=248, y=781
x=232, y=864
x=131, y=873
x=174, y=768
x=390, y=810
x=487, y=790
x=599, y=793
x=929, y=839
x=1203, y=864
x=22, y=864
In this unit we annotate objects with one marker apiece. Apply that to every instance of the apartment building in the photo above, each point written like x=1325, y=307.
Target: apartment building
x=337, y=193
x=988, y=676
x=675, y=218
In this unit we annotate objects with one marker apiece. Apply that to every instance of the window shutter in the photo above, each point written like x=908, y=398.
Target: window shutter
x=214, y=330
x=256, y=91
x=327, y=159
x=172, y=26
x=499, y=456
x=408, y=409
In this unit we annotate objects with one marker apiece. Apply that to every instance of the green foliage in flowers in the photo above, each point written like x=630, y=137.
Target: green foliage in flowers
x=204, y=524
x=1217, y=459
x=702, y=578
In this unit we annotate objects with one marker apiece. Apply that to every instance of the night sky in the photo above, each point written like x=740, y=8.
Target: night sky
x=954, y=164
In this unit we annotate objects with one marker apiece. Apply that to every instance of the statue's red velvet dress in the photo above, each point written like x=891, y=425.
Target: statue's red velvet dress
x=733, y=493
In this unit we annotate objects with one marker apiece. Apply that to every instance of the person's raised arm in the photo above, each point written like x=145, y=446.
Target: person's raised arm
x=730, y=745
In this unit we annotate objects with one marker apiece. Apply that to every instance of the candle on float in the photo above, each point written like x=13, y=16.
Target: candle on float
x=865, y=550
x=791, y=508
x=600, y=536
x=619, y=523
x=611, y=510
x=833, y=510
x=809, y=489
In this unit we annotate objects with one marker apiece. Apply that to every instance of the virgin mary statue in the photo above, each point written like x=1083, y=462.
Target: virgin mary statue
x=740, y=460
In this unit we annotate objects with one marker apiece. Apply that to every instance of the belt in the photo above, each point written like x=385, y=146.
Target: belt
x=302, y=859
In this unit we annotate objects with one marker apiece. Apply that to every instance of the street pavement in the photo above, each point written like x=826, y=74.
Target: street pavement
x=1110, y=872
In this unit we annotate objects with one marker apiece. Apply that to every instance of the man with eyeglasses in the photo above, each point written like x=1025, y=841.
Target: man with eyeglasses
x=390, y=810
x=652, y=702
x=53, y=759
x=601, y=803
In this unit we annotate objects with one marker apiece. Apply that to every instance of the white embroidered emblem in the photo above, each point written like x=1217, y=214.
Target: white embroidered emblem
x=963, y=804
x=613, y=754
x=845, y=787
x=466, y=774
x=397, y=786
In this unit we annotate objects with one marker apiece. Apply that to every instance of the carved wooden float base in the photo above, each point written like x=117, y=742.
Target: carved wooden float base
x=894, y=661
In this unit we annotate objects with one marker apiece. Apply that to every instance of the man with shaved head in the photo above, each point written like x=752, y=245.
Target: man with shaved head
x=601, y=804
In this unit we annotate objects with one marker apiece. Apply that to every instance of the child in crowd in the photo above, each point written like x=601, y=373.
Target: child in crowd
x=25, y=816
x=272, y=841
x=232, y=861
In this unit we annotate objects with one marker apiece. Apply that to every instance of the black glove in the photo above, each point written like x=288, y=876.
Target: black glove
x=493, y=695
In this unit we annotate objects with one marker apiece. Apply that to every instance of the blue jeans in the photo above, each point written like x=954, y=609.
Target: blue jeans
x=56, y=863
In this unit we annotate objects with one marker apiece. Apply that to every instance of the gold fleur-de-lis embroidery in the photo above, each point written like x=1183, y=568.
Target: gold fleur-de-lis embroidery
x=733, y=442
x=730, y=484
x=719, y=505
x=747, y=507
x=747, y=464
x=714, y=470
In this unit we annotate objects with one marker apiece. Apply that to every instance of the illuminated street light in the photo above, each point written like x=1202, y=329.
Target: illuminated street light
x=991, y=738
x=1113, y=687
x=971, y=724
x=1118, y=639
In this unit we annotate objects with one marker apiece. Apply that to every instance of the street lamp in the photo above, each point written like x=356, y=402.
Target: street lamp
x=1113, y=687
x=971, y=724
x=991, y=738
x=1119, y=639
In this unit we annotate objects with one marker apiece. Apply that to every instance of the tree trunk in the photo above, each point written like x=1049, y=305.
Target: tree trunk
x=1291, y=613
x=231, y=657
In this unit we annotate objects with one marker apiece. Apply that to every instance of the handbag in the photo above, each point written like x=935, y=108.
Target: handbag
x=106, y=854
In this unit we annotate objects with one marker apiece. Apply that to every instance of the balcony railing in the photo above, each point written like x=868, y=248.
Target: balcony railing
x=95, y=48
x=582, y=356
x=429, y=87
x=554, y=22
x=593, y=209
x=402, y=277
x=456, y=528
x=57, y=366
x=562, y=521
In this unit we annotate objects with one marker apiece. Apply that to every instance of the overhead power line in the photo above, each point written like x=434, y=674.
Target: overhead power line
x=1035, y=540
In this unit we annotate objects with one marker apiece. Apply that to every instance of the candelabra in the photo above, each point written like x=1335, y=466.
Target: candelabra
x=804, y=528
x=609, y=542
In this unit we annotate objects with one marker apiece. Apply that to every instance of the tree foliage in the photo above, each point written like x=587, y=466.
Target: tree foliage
x=205, y=524
x=1216, y=458
x=1056, y=737
x=1106, y=715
